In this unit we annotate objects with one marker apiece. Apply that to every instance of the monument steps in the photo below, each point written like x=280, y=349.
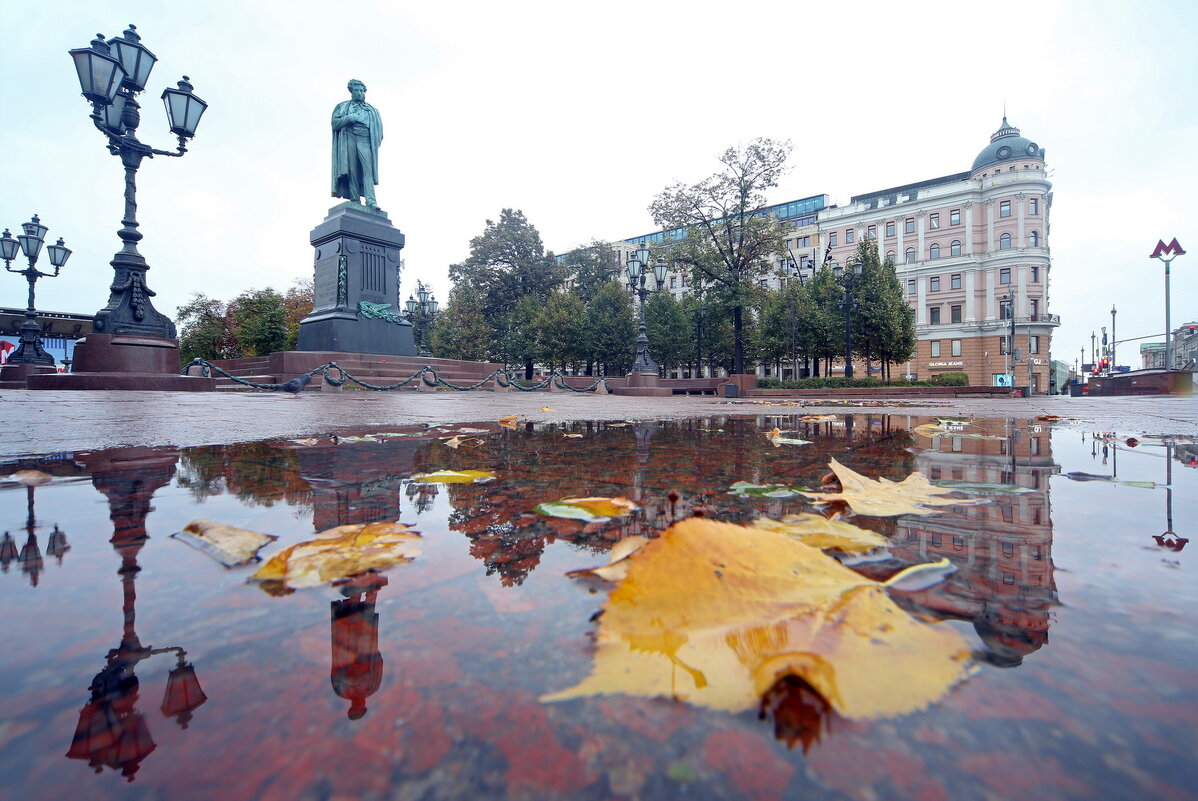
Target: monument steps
x=372, y=368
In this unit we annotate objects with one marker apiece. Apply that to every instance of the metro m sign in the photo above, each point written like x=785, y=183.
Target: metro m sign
x=1167, y=252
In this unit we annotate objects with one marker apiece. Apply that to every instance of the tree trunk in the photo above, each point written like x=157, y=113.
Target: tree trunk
x=738, y=341
x=528, y=369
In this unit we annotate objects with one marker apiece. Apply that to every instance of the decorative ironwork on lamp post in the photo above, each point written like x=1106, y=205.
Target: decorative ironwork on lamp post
x=637, y=264
x=848, y=279
x=422, y=313
x=30, y=351
x=111, y=75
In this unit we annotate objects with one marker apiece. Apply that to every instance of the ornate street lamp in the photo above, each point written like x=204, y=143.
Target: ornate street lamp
x=111, y=75
x=421, y=313
x=638, y=262
x=849, y=279
x=30, y=351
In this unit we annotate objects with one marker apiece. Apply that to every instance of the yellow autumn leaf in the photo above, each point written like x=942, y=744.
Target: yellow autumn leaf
x=618, y=560
x=340, y=552
x=823, y=533
x=509, y=422
x=930, y=430
x=884, y=498
x=570, y=435
x=548, y=409
x=715, y=614
x=32, y=478
x=226, y=544
x=453, y=442
x=454, y=477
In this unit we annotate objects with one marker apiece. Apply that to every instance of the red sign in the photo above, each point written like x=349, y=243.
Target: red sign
x=1163, y=250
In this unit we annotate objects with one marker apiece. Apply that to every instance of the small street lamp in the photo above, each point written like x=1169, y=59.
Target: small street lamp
x=637, y=264
x=111, y=75
x=30, y=351
x=421, y=313
x=848, y=279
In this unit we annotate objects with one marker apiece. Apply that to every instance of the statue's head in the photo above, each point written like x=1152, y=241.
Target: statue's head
x=357, y=90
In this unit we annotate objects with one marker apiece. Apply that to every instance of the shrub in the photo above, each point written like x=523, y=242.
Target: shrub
x=951, y=380
x=838, y=382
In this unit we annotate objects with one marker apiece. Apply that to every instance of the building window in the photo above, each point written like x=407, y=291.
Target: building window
x=890, y=256
x=673, y=282
x=910, y=256
x=1034, y=239
x=849, y=235
x=910, y=286
x=935, y=343
x=1033, y=205
x=956, y=347
x=1004, y=309
x=1004, y=209
x=1035, y=451
x=934, y=319
x=803, y=241
x=1035, y=277
x=890, y=228
x=1002, y=349
x=1004, y=242
x=934, y=251
x=955, y=317
x=872, y=232
x=1035, y=307
x=934, y=283
x=804, y=262
x=764, y=283
x=954, y=217
x=1033, y=344
x=832, y=239
x=909, y=225
x=954, y=281
x=1004, y=275
x=933, y=221
x=954, y=248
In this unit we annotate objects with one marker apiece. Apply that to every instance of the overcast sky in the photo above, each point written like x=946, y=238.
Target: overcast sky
x=580, y=113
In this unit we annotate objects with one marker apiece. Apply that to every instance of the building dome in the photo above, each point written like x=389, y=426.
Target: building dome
x=1007, y=145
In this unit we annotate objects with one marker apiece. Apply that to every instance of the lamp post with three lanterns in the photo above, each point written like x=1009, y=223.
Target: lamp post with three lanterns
x=421, y=313
x=638, y=263
x=112, y=74
x=30, y=351
x=848, y=278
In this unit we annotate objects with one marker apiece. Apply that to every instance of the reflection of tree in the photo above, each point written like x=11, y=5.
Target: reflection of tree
x=260, y=473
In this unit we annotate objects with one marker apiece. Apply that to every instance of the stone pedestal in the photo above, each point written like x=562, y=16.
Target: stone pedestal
x=14, y=375
x=117, y=361
x=356, y=299
x=644, y=384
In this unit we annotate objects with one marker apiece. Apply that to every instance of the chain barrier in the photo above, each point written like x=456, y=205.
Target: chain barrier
x=337, y=376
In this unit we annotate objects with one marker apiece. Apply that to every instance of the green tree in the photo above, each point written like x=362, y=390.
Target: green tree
x=883, y=323
x=508, y=262
x=203, y=329
x=589, y=267
x=611, y=329
x=822, y=321
x=560, y=328
x=724, y=234
x=461, y=330
x=259, y=319
x=668, y=326
x=297, y=304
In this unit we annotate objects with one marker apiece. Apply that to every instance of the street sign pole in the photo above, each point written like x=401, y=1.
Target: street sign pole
x=1166, y=253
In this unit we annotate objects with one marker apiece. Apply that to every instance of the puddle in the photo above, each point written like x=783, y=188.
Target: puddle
x=136, y=666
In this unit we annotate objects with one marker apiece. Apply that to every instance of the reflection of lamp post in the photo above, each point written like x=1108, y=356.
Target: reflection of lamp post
x=421, y=313
x=849, y=279
x=111, y=75
x=30, y=351
x=638, y=262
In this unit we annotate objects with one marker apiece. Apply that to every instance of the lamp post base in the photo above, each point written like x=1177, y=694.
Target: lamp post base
x=15, y=375
x=114, y=361
x=643, y=384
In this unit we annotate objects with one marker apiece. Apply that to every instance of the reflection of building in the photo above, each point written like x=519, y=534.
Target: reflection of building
x=1003, y=550
x=358, y=482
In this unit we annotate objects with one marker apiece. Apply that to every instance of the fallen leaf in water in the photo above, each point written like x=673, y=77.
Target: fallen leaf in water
x=367, y=438
x=454, y=477
x=453, y=442
x=32, y=478
x=587, y=509
x=762, y=490
x=572, y=436
x=509, y=422
x=617, y=560
x=823, y=533
x=775, y=437
x=474, y=431
x=337, y=553
x=884, y=498
x=307, y=443
x=548, y=409
x=228, y=545
x=715, y=614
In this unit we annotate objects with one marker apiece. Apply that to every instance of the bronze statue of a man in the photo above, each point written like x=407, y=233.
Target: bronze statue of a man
x=357, y=133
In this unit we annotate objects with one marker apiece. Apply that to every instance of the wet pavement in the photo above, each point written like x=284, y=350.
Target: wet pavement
x=40, y=422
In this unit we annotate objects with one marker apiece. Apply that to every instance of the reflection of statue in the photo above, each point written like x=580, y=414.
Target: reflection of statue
x=357, y=670
x=357, y=133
